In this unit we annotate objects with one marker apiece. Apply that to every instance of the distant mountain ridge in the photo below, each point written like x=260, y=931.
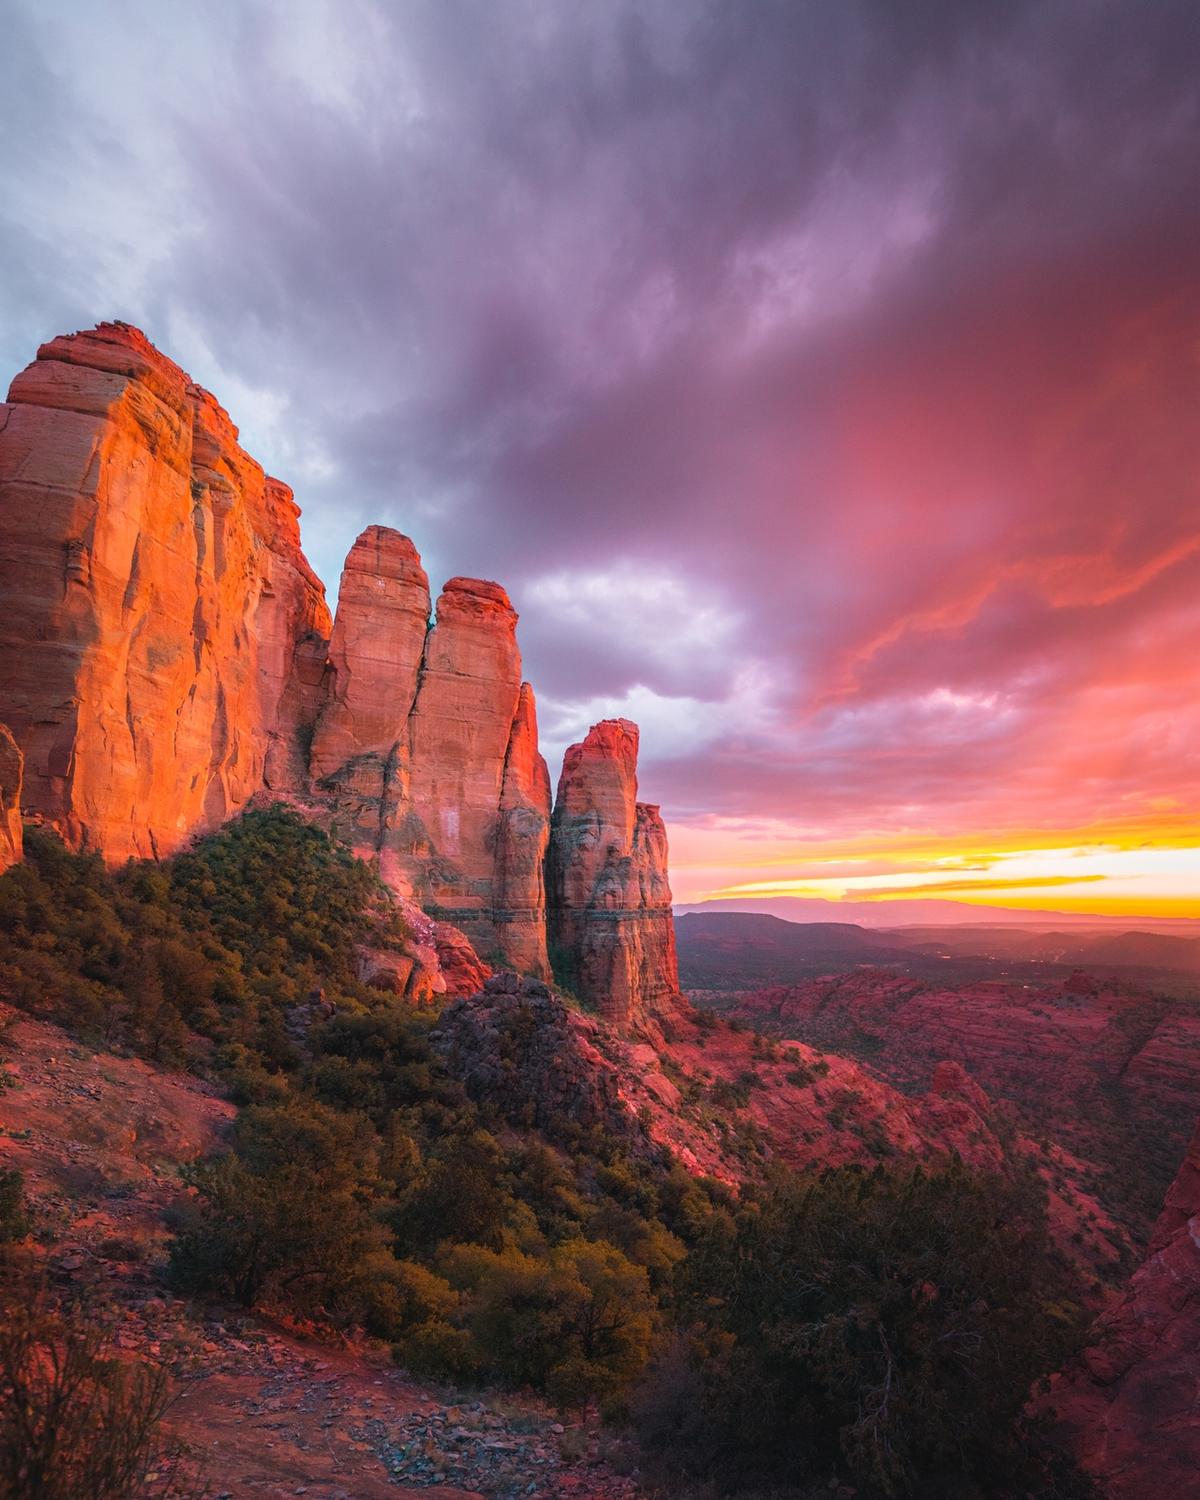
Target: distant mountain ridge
x=931, y=912
x=738, y=951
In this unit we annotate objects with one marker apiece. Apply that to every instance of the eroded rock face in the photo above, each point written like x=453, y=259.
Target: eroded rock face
x=426, y=748
x=608, y=897
x=11, y=769
x=1129, y=1408
x=166, y=654
x=158, y=608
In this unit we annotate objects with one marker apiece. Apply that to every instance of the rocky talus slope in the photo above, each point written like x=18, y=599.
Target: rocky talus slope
x=166, y=655
x=728, y=1105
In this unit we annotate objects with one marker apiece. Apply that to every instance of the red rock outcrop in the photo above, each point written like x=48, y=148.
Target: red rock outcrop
x=479, y=794
x=1129, y=1407
x=160, y=618
x=11, y=768
x=608, y=897
x=1107, y=1071
x=426, y=748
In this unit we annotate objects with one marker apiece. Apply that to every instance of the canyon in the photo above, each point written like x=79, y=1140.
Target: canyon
x=1126, y=1406
x=168, y=659
x=167, y=656
x=1105, y=1069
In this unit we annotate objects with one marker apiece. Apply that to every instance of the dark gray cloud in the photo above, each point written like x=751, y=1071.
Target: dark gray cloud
x=820, y=378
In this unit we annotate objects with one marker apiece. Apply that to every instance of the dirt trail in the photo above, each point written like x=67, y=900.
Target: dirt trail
x=266, y=1411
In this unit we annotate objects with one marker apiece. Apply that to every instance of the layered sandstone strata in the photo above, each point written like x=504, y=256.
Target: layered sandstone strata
x=11, y=768
x=161, y=625
x=426, y=748
x=611, y=930
x=166, y=654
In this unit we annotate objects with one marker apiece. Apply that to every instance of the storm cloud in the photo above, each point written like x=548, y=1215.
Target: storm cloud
x=822, y=380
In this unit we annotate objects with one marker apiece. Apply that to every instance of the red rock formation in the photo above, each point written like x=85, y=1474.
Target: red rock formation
x=608, y=898
x=166, y=654
x=478, y=789
x=375, y=654
x=426, y=748
x=1129, y=1407
x=11, y=767
x=156, y=600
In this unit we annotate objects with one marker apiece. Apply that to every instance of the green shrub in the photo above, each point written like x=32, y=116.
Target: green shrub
x=77, y=1419
x=884, y=1325
x=286, y=1218
x=576, y=1323
x=14, y=1222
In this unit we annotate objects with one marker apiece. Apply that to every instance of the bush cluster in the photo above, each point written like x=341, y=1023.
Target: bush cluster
x=882, y=1326
x=217, y=943
x=887, y=1325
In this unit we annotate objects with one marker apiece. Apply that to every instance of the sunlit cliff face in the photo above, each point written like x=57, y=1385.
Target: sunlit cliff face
x=822, y=382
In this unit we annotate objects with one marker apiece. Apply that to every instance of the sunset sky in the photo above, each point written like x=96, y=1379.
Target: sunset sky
x=822, y=380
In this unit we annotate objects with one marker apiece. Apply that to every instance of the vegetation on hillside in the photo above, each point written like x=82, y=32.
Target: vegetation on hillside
x=77, y=1416
x=880, y=1326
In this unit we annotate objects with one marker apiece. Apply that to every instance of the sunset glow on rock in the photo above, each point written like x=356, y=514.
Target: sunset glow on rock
x=629, y=925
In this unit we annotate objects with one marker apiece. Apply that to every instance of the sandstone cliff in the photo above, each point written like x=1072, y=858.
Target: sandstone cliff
x=11, y=767
x=426, y=748
x=608, y=898
x=160, y=618
x=1127, y=1407
x=166, y=654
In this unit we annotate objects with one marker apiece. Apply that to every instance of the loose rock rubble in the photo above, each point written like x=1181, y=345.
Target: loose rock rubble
x=501, y=1457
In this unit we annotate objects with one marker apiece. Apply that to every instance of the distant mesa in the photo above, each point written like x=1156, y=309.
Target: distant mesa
x=167, y=655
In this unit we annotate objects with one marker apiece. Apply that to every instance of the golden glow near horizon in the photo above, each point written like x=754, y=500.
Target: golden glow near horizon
x=1147, y=869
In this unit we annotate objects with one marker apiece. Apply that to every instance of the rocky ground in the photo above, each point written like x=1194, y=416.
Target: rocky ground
x=725, y=1102
x=1106, y=1070
x=266, y=1410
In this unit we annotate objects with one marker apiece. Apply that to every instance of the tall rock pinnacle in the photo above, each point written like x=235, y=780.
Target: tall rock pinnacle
x=166, y=654
x=375, y=654
x=426, y=748
x=608, y=899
